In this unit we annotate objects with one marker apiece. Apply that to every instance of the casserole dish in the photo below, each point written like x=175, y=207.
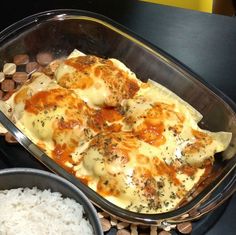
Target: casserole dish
x=60, y=31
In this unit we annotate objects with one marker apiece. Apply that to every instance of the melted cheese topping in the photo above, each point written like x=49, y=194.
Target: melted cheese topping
x=161, y=120
x=98, y=82
x=136, y=144
x=133, y=174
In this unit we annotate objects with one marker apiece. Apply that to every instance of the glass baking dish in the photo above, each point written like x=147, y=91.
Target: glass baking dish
x=61, y=31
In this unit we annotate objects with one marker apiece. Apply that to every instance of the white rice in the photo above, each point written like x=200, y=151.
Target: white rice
x=32, y=211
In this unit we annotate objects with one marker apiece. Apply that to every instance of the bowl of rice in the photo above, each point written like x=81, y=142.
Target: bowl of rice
x=37, y=202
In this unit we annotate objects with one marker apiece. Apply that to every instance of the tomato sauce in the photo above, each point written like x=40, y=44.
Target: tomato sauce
x=100, y=118
x=151, y=133
x=62, y=154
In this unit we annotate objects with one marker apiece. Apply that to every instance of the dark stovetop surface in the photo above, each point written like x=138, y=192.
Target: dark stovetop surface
x=206, y=43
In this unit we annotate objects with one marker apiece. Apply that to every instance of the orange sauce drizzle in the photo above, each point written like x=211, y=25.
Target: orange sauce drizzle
x=100, y=118
x=202, y=140
x=161, y=168
x=44, y=100
x=151, y=133
x=62, y=154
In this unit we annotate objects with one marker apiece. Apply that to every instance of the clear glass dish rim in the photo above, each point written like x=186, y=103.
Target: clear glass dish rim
x=139, y=218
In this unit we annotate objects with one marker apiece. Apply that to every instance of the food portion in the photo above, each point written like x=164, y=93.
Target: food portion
x=99, y=82
x=130, y=173
x=137, y=144
x=166, y=122
x=33, y=211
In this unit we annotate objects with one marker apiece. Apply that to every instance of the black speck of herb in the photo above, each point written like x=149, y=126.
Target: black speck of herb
x=166, y=203
x=173, y=195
